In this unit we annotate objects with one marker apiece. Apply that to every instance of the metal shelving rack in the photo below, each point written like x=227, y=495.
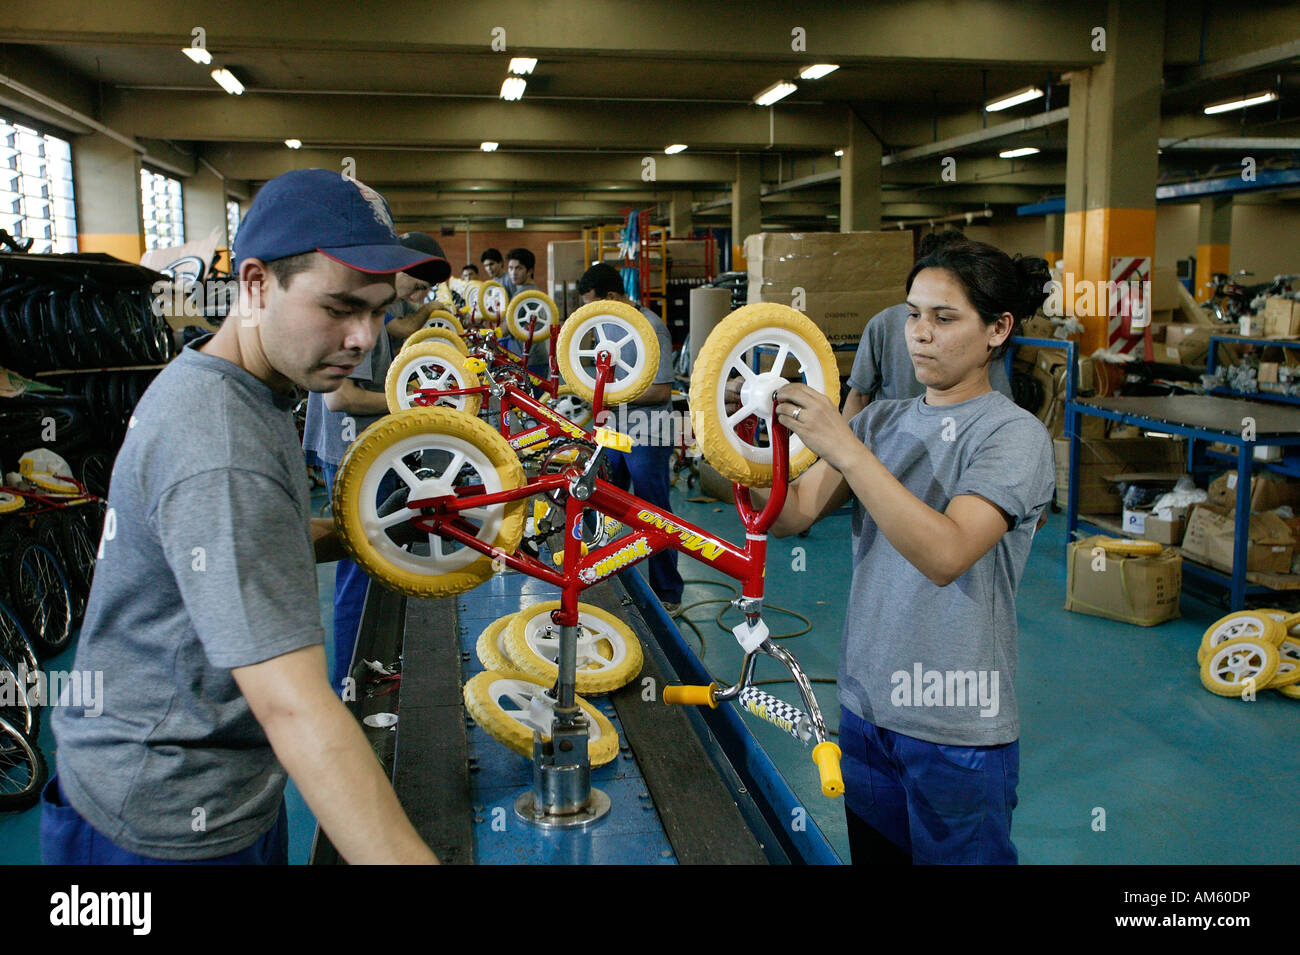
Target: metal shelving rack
x=1212, y=362
x=601, y=244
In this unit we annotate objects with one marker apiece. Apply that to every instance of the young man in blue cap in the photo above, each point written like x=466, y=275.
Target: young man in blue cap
x=202, y=616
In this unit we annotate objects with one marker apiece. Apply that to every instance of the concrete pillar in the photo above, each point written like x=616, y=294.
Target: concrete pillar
x=746, y=207
x=204, y=198
x=679, y=216
x=1111, y=160
x=1053, y=238
x=1213, y=242
x=107, y=185
x=859, y=178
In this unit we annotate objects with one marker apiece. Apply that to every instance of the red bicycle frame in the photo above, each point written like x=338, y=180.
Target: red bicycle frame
x=653, y=530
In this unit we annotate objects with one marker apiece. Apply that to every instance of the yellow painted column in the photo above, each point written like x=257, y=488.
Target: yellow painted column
x=107, y=185
x=1112, y=165
x=746, y=207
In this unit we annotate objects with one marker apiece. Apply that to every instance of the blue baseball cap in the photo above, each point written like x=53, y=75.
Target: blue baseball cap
x=318, y=210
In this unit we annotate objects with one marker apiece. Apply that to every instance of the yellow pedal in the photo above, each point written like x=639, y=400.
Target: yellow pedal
x=612, y=526
x=614, y=440
x=559, y=558
x=476, y=365
x=499, y=332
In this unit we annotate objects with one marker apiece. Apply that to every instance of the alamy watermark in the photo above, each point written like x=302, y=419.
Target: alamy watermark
x=75, y=688
x=947, y=688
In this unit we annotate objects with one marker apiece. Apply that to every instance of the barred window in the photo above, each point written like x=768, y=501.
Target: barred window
x=232, y=221
x=164, y=217
x=36, y=199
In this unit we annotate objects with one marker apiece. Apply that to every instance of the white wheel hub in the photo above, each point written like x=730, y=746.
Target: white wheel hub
x=530, y=705
x=544, y=640
x=445, y=556
x=1239, y=663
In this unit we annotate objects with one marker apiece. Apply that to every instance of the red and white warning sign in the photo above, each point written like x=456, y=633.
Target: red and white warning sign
x=1130, y=303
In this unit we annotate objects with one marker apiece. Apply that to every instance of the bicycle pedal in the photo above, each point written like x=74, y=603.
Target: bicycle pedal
x=614, y=440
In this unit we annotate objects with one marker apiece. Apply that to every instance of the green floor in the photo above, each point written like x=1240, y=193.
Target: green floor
x=1124, y=757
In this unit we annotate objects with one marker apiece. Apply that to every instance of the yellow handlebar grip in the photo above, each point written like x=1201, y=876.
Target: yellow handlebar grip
x=691, y=695
x=476, y=365
x=614, y=440
x=827, y=757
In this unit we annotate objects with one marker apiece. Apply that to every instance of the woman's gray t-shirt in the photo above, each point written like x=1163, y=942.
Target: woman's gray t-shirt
x=939, y=663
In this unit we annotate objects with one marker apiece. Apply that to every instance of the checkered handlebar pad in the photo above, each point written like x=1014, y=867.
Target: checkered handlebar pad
x=777, y=712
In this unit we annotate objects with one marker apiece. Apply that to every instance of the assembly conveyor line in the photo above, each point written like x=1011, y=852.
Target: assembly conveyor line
x=690, y=785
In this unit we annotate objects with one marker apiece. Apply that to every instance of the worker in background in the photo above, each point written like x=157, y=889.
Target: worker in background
x=493, y=264
x=203, y=616
x=882, y=367
x=336, y=419
x=519, y=271
x=947, y=490
x=469, y=273
x=646, y=467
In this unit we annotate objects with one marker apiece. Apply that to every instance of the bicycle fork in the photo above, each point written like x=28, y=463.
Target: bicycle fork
x=803, y=726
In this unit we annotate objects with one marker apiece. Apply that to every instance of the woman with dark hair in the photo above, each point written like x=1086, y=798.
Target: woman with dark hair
x=948, y=489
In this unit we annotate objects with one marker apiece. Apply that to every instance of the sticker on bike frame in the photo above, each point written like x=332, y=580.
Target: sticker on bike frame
x=567, y=426
x=707, y=548
x=530, y=438
x=616, y=561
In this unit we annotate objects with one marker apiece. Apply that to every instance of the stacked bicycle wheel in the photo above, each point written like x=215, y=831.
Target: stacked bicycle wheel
x=1249, y=651
x=520, y=651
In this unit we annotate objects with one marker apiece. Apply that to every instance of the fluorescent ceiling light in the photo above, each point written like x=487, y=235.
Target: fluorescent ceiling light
x=839, y=152
x=1016, y=153
x=817, y=71
x=675, y=148
x=1254, y=99
x=523, y=65
x=1014, y=99
x=513, y=88
x=293, y=143
x=198, y=54
x=228, y=82
x=488, y=147
x=777, y=91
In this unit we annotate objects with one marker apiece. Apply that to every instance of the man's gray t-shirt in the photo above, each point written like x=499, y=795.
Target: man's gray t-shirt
x=651, y=424
x=883, y=366
x=939, y=663
x=206, y=564
x=326, y=434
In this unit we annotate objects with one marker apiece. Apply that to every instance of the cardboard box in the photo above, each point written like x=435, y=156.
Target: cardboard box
x=1138, y=590
x=831, y=261
x=1185, y=344
x=687, y=259
x=1281, y=317
x=1267, y=491
x=841, y=315
x=1100, y=460
x=565, y=262
x=1169, y=533
x=1211, y=531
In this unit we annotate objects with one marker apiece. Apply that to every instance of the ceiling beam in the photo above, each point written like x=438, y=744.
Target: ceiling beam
x=832, y=31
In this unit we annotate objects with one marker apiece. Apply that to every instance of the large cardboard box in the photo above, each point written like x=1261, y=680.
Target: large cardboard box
x=841, y=315
x=844, y=278
x=1267, y=491
x=1211, y=531
x=1100, y=460
x=1185, y=344
x=1281, y=317
x=688, y=259
x=565, y=262
x=1139, y=590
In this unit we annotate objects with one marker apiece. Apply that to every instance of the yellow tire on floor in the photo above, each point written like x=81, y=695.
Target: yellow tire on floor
x=442, y=318
x=491, y=645
x=493, y=299
x=1293, y=691
x=1235, y=666
x=530, y=707
x=1287, y=620
x=430, y=364
x=1243, y=623
x=432, y=451
x=531, y=306
x=750, y=331
x=608, y=653
x=1287, y=674
x=625, y=333
x=11, y=502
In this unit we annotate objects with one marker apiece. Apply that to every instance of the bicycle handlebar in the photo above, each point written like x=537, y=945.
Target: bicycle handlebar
x=827, y=757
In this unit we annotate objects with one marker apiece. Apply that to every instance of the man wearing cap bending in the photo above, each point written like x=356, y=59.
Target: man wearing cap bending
x=203, y=616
